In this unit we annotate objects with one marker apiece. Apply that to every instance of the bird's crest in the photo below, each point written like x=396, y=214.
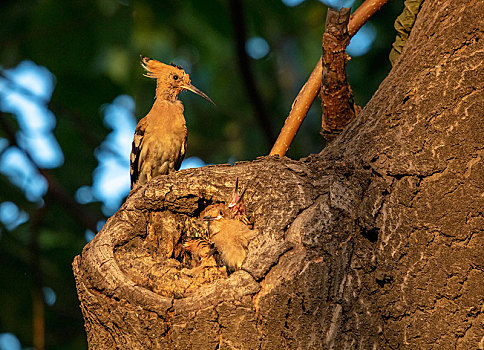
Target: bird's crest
x=155, y=69
x=177, y=66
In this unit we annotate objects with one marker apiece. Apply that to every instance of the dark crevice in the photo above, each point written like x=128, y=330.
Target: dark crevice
x=286, y=325
x=371, y=234
x=399, y=176
x=383, y=278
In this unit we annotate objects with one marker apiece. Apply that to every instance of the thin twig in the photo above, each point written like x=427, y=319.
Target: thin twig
x=38, y=309
x=298, y=112
x=306, y=96
x=363, y=14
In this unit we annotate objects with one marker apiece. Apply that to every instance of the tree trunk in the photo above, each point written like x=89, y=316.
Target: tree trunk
x=376, y=242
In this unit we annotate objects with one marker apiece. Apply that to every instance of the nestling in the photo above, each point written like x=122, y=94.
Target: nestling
x=230, y=237
x=237, y=206
x=160, y=138
x=200, y=249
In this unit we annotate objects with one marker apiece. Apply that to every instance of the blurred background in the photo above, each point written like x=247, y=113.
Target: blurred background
x=72, y=90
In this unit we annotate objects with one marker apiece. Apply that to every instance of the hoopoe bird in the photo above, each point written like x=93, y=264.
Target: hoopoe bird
x=200, y=250
x=199, y=244
x=160, y=139
x=228, y=233
x=230, y=237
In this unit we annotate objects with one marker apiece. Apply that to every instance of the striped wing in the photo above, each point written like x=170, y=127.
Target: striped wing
x=154, y=154
x=134, y=159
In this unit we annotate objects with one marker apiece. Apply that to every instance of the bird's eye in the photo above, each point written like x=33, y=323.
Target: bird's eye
x=175, y=77
x=220, y=213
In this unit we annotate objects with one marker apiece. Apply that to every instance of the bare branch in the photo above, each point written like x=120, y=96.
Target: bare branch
x=363, y=14
x=306, y=96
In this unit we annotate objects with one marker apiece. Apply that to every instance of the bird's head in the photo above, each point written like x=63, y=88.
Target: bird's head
x=237, y=205
x=214, y=212
x=236, y=197
x=199, y=247
x=171, y=79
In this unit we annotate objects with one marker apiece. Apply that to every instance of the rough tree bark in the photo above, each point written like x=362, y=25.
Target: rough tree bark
x=376, y=242
x=336, y=97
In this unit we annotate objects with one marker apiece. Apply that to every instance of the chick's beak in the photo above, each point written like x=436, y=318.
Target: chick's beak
x=192, y=88
x=212, y=218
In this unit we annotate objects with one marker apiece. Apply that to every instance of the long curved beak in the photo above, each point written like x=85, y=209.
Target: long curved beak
x=192, y=88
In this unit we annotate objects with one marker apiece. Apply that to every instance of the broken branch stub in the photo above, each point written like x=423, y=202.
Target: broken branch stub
x=336, y=97
x=306, y=96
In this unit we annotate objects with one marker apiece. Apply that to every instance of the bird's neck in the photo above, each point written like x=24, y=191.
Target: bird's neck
x=167, y=115
x=165, y=107
x=165, y=93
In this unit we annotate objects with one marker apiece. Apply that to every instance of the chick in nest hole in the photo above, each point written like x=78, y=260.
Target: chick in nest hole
x=228, y=234
x=230, y=237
